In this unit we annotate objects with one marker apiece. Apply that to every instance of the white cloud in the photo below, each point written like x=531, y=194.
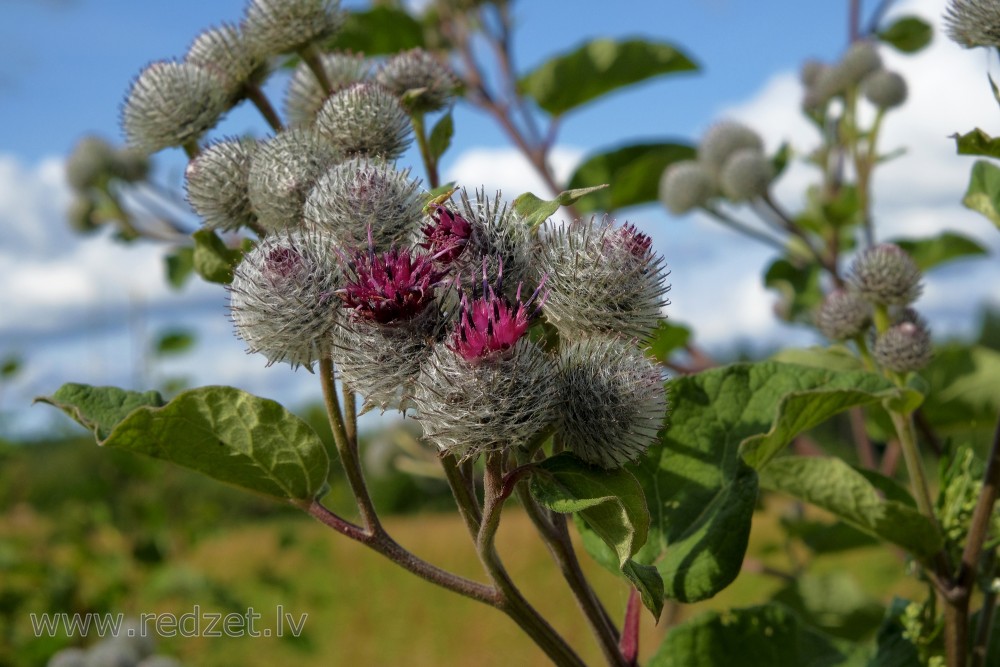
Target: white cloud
x=505, y=169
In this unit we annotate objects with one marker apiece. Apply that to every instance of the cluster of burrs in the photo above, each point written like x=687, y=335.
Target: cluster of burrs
x=495, y=332
x=875, y=310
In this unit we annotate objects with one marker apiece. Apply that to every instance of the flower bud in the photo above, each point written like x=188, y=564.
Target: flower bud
x=885, y=89
x=487, y=388
x=722, y=140
x=90, y=163
x=810, y=72
x=282, y=173
x=972, y=23
x=80, y=214
x=843, y=315
x=612, y=401
x=130, y=165
x=359, y=195
x=419, y=79
x=860, y=60
x=172, y=104
x=306, y=95
x=217, y=183
x=685, y=186
x=283, y=298
x=365, y=119
x=273, y=27
x=904, y=347
x=392, y=324
x=746, y=175
x=225, y=50
x=598, y=283
x=884, y=274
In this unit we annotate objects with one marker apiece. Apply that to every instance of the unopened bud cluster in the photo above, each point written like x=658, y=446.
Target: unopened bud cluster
x=861, y=69
x=884, y=278
x=730, y=162
x=93, y=169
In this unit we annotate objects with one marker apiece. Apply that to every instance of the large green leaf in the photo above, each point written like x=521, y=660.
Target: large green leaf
x=765, y=636
x=983, y=193
x=536, y=211
x=944, y=247
x=977, y=142
x=99, y=409
x=833, y=602
x=908, y=34
x=213, y=259
x=612, y=505
x=701, y=493
x=597, y=68
x=379, y=30
x=667, y=338
x=230, y=435
x=633, y=171
x=831, y=484
x=441, y=135
x=179, y=266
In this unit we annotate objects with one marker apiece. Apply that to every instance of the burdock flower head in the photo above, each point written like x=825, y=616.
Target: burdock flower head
x=392, y=286
x=487, y=387
x=392, y=324
x=419, y=79
x=305, y=95
x=446, y=235
x=490, y=324
x=603, y=279
x=365, y=119
x=973, y=23
x=217, y=183
x=612, y=401
x=685, y=186
x=904, y=347
x=844, y=314
x=225, y=50
x=282, y=298
x=281, y=26
x=884, y=274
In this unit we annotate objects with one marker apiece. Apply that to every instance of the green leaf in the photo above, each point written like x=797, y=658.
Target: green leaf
x=665, y=339
x=983, y=193
x=612, y=505
x=824, y=537
x=808, y=401
x=765, y=636
x=536, y=211
x=377, y=31
x=598, y=67
x=943, y=248
x=179, y=266
x=441, y=136
x=232, y=436
x=10, y=366
x=908, y=34
x=633, y=171
x=833, y=358
x=610, y=501
x=780, y=159
x=894, y=649
x=838, y=488
x=173, y=342
x=213, y=260
x=99, y=409
x=833, y=602
x=977, y=142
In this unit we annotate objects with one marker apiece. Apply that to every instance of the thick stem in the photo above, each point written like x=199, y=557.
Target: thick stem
x=346, y=447
x=350, y=414
x=981, y=515
x=430, y=163
x=468, y=503
x=513, y=602
x=561, y=549
x=956, y=630
x=630, y=630
x=259, y=100
x=914, y=465
x=380, y=542
x=981, y=642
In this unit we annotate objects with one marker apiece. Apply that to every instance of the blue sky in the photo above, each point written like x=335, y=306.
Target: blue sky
x=83, y=309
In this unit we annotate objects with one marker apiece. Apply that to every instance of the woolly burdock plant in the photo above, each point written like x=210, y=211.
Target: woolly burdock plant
x=362, y=195
x=173, y=104
x=283, y=171
x=885, y=275
x=685, y=186
x=365, y=119
x=904, y=347
x=446, y=236
x=722, y=140
x=973, y=23
x=392, y=322
x=612, y=401
x=283, y=298
x=305, y=95
x=217, y=183
x=487, y=387
x=225, y=50
x=273, y=27
x=843, y=314
x=602, y=279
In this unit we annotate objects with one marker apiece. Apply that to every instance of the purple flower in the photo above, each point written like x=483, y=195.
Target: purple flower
x=282, y=263
x=631, y=240
x=387, y=287
x=447, y=236
x=490, y=323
